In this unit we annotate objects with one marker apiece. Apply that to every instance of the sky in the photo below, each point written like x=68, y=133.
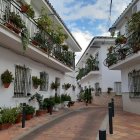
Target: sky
x=88, y=18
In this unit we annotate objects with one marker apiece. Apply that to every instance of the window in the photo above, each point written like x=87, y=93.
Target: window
x=134, y=83
x=45, y=77
x=22, y=84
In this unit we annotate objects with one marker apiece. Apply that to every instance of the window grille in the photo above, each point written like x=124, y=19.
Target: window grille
x=134, y=83
x=22, y=84
x=45, y=78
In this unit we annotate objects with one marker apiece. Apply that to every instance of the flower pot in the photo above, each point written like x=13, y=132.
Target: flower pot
x=18, y=119
x=39, y=112
x=8, y=25
x=17, y=30
x=5, y=126
x=28, y=116
x=24, y=8
x=35, y=42
x=6, y=85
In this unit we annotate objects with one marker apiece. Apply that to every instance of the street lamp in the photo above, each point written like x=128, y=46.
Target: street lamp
x=112, y=31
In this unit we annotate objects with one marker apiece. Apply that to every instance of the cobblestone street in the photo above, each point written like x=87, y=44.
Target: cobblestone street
x=82, y=124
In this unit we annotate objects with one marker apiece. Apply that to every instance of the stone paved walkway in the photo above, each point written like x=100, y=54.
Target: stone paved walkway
x=126, y=126
x=81, y=124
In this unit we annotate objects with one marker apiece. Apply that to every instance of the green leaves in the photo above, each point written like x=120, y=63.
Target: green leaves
x=7, y=77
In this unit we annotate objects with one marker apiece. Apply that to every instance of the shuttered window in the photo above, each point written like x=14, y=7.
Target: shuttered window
x=45, y=77
x=22, y=85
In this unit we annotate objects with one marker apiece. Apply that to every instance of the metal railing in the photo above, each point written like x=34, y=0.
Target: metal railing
x=86, y=70
x=46, y=43
x=122, y=51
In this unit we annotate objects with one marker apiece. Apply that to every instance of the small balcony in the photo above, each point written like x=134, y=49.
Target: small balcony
x=88, y=72
x=42, y=45
x=124, y=54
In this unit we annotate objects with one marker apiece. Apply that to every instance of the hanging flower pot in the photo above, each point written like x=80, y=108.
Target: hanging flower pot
x=7, y=78
x=6, y=85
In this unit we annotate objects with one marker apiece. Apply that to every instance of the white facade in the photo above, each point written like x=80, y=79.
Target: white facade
x=130, y=63
x=105, y=77
x=11, y=54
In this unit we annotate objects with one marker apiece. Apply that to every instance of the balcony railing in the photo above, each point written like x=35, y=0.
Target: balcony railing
x=84, y=71
x=122, y=51
x=38, y=37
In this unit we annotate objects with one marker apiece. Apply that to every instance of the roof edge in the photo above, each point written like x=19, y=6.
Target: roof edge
x=96, y=37
x=124, y=12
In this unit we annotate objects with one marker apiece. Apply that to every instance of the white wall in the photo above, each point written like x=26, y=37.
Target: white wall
x=108, y=76
x=131, y=104
x=8, y=59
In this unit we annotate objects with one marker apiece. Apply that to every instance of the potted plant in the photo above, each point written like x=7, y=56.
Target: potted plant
x=65, y=99
x=121, y=39
x=65, y=47
x=15, y=22
x=7, y=117
x=48, y=103
x=59, y=36
x=26, y=8
x=18, y=114
x=123, y=52
x=67, y=86
x=39, y=99
x=36, y=81
x=110, y=49
x=29, y=111
x=55, y=85
x=44, y=22
x=38, y=39
x=111, y=59
x=109, y=89
x=7, y=78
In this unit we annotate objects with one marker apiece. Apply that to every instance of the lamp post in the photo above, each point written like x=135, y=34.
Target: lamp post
x=112, y=31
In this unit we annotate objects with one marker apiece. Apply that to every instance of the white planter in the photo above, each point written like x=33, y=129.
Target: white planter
x=66, y=104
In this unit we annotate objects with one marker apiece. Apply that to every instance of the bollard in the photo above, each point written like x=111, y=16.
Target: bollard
x=23, y=115
x=102, y=134
x=110, y=118
x=112, y=103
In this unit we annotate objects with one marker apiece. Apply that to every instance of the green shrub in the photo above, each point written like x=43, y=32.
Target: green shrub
x=9, y=115
x=48, y=102
x=29, y=110
x=57, y=99
x=65, y=97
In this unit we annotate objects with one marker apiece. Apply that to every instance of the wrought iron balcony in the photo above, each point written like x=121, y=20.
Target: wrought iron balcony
x=39, y=38
x=122, y=51
x=84, y=71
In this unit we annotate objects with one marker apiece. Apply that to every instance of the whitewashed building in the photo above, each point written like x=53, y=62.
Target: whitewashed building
x=97, y=75
x=53, y=65
x=130, y=63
